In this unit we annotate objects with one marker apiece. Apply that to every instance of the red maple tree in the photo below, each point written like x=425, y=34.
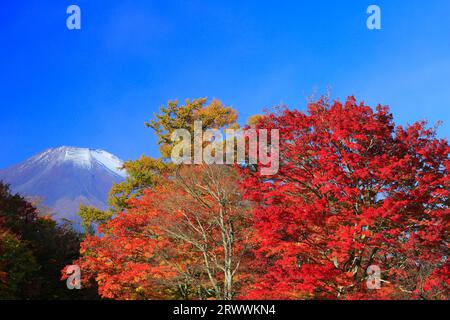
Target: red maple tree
x=353, y=191
x=189, y=237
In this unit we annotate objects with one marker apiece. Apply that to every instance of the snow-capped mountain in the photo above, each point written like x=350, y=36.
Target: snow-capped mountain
x=64, y=177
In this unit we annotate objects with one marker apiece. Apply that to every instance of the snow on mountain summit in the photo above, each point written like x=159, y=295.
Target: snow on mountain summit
x=81, y=157
x=110, y=161
x=64, y=177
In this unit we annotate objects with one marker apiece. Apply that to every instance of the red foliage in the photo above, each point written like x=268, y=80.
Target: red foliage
x=353, y=190
x=123, y=261
x=186, y=238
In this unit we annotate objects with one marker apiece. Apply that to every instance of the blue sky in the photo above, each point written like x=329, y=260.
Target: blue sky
x=97, y=86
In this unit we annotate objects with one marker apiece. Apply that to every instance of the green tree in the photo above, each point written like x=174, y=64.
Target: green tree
x=146, y=172
x=142, y=173
x=33, y=250
x=175, y=116
x=17, y=266
x=91, y=217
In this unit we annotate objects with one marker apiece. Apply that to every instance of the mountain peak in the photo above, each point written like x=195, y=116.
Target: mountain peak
x=81, y=157
x=63, y=177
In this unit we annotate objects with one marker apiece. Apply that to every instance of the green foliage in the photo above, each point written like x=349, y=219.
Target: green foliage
x=33, y=250
x=91, y=216
x=146, y=172
x=142, y=173
x=17, y=266
x=174, y=116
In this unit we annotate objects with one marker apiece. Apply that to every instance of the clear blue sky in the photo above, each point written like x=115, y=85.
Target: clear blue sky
x=97, y=86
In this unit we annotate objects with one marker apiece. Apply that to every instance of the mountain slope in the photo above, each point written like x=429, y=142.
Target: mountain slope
x=64, y=177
